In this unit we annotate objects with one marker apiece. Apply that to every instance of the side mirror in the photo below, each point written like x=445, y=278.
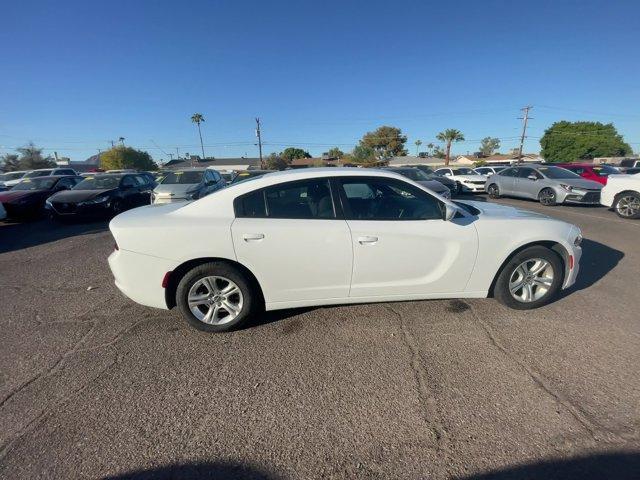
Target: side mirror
x=532, y=177
x=449, y=212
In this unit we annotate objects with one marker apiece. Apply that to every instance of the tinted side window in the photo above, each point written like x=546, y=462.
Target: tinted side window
x=65, y=182
x=251, y=205
x=308, y=199
x=128, y=182
x=525, y=172
x=386, y=199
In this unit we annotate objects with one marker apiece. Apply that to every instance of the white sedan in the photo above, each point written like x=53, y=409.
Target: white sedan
x=622, y=193
x=467, y=179
x=334, y=236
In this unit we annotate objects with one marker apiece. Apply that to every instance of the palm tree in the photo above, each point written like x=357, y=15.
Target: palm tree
x=449, y=136
x=198, y=118
x=418, y=143
x=430, y=149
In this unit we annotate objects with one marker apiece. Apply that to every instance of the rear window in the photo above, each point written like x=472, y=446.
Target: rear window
x=182, y=178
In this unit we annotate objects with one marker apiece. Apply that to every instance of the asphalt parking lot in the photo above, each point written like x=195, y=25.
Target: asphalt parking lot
x=93, y=385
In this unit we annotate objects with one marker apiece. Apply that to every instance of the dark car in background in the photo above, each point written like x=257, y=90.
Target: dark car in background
x=422, y=178
x=102, y=195
x=27, y=198
x=447, y=182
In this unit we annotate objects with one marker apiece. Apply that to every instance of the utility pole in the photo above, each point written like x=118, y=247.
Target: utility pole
x=112, y=142
x=177, y=153
x=258, y=134
x=524, y=119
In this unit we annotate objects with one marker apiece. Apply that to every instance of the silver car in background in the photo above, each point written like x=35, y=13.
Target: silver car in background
x=548, y=184
x=186, y=185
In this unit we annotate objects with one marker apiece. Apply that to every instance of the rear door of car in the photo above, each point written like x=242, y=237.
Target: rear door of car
x=294, y=239
x=507, y=181
x=401, y=244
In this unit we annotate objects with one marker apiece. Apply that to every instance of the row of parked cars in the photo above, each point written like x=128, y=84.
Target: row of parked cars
x=62, y=193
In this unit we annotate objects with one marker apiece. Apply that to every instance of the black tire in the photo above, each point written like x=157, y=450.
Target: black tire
x=622, y=200
x=547, y=197
x=116, y=207
x=501, y=289
x=493, y=191
x=250, y=295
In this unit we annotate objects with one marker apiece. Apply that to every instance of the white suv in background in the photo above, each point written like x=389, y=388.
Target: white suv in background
x=9, y=179
x=467, y=179
x=622, y=193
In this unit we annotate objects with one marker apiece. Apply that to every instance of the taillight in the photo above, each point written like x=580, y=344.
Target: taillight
x=165, y=279
x=570, y=262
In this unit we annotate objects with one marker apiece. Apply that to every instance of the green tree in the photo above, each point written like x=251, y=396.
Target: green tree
x=335, y=152
x=568, y=141
x=362, y=155
x=198, y=118
x=291, y=153
x=488, y=145
x=9, y=162
x=438, y=152
x=449, y=136
x=31, y=158
x=275, y=162
x=418, y=143
x=430, y=147
x=121, y=157
x=386, y=142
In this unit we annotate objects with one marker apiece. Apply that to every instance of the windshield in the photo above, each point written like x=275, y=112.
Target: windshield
x=464, y=171
x=557, y=172
x=5, y=177
x=412, y=173
x=183, y=178
x=98, y=183
x=36, y=184
x=38, y=173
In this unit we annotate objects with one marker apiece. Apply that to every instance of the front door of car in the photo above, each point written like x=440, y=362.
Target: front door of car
x=527, y=186
x=144, y=190
x=291, y=238
x=401, y=243
x=129, y=191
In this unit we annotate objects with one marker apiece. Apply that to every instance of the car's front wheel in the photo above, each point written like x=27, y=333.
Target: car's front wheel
x=216, y=297
x=627, y=205
x=547, y=197
x=493, y=191
x=530, y=279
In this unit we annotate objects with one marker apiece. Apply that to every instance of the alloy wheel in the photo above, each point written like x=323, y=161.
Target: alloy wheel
x=215, y=300
x=628, y=206
x=547, y=197
x=531, y=280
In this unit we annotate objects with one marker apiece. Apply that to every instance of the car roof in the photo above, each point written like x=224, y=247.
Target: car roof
x=192, y=169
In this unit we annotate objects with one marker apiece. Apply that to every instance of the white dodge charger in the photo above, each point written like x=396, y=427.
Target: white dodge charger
x=334, y=236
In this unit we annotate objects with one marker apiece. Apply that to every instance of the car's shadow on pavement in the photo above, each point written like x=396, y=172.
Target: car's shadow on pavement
x=621, y=466
x=597, y=261
x=16, y=236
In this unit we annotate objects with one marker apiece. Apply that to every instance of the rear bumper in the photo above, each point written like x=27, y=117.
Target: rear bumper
x=140, y=276
x=164, y=200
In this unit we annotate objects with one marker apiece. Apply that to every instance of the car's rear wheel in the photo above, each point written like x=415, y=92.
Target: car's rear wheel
x=493, y=191
x=216, y=297
x=530, y=279
x=627, y=205
x=547, y=197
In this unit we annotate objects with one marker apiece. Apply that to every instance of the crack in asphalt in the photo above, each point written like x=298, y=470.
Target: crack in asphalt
x=432, y=416
x=597, y=432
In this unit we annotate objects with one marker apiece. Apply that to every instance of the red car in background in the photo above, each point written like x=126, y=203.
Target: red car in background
x=597, y=173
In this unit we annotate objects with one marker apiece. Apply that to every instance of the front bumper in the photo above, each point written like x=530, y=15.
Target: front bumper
x=589, y=198
x=165, y=200
x=472, y=187
x=73, y=209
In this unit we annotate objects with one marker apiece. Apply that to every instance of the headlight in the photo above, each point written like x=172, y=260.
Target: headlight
x=578, y=240
x=568, y=188
x=96, y=200
x=191, y=195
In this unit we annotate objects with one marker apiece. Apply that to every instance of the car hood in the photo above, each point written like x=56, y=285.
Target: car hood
x=443, y=180
x=178, y=190
x=579, y=183
x=74, y=196
x=13, y=195
x=502, y=211
x=433, y=185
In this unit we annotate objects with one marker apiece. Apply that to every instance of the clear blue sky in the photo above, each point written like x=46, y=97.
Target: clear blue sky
x=76, y=74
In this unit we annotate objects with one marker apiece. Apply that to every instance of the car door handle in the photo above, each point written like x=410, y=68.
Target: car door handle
x=367, y=240
x=253, y=237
